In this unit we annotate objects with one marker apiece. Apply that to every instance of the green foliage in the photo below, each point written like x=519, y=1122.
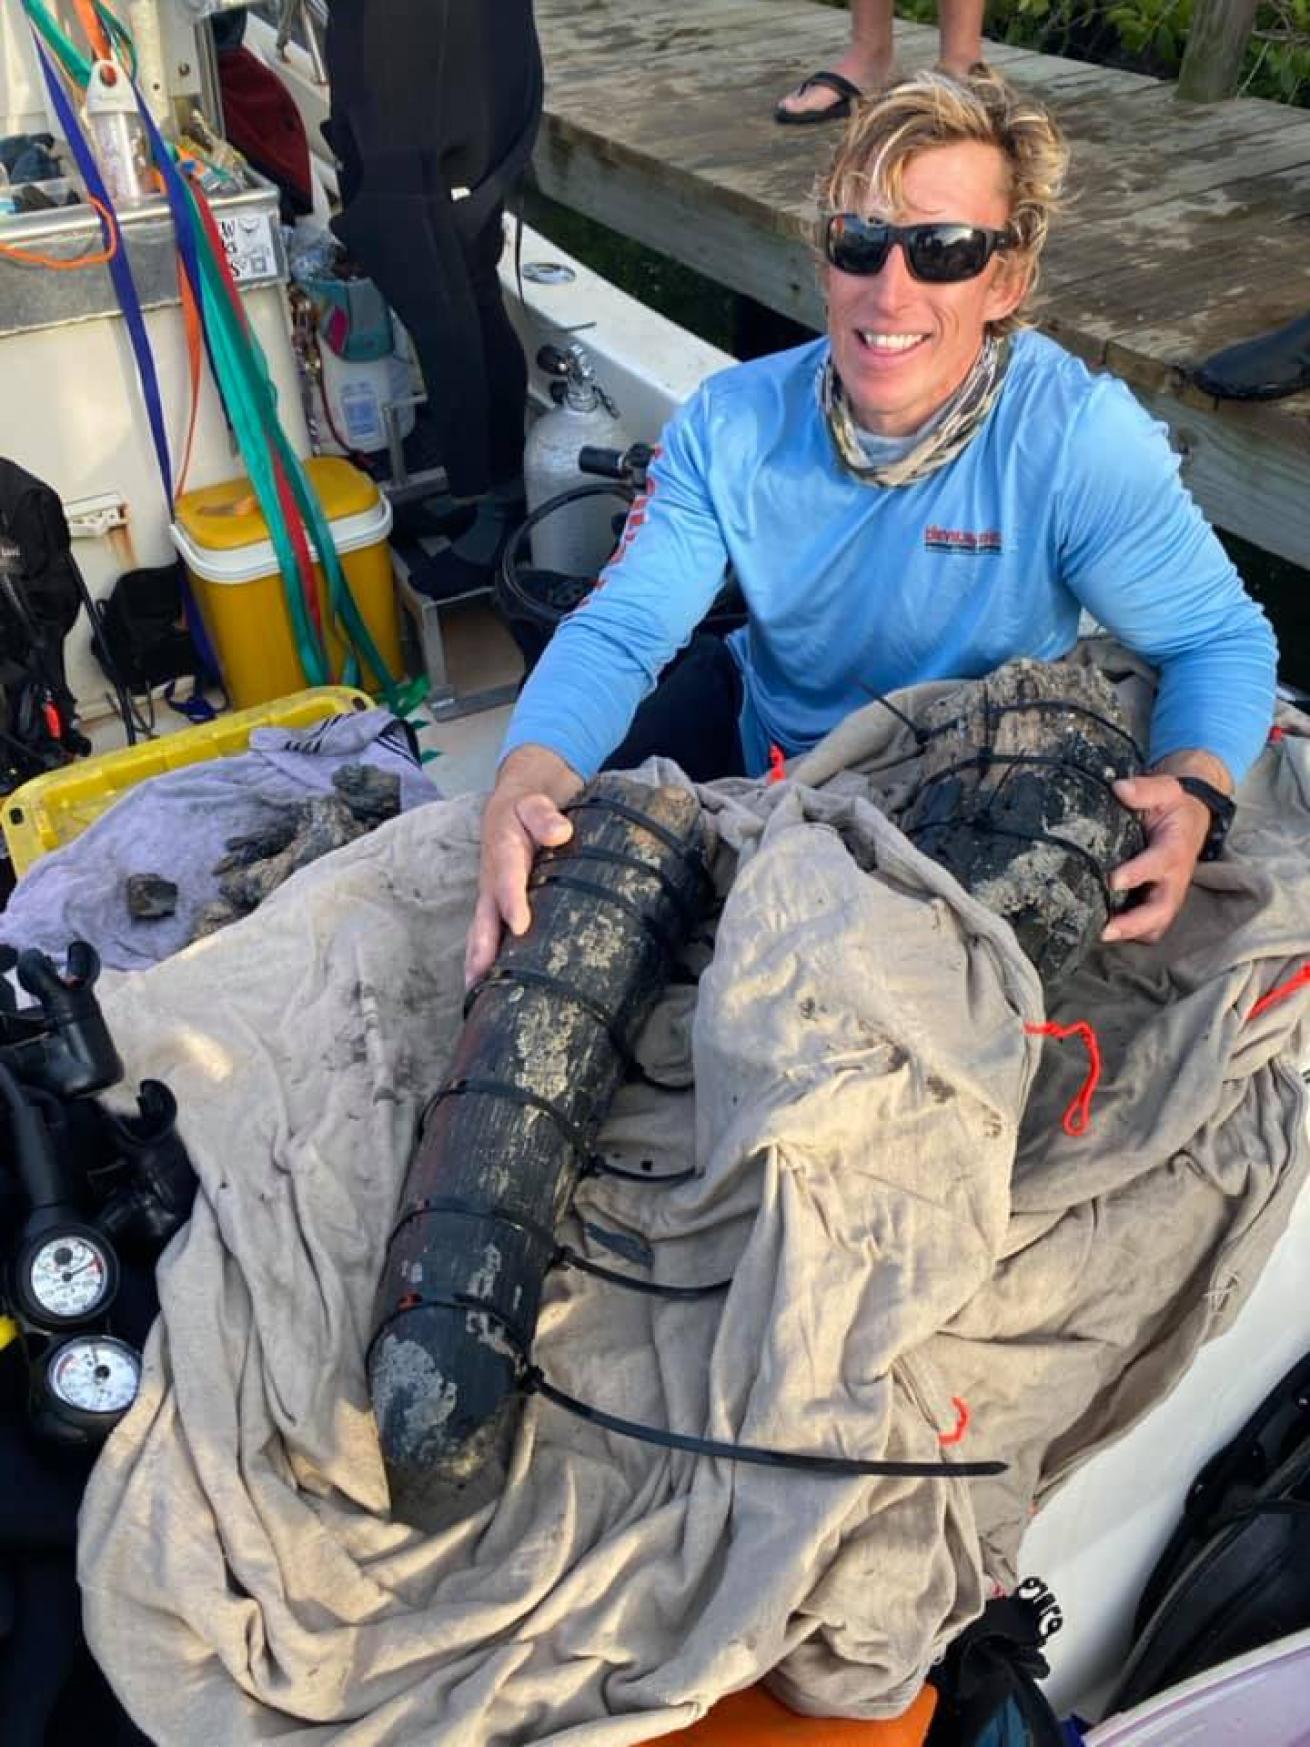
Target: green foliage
x=1153, y=28
x=1150, y=36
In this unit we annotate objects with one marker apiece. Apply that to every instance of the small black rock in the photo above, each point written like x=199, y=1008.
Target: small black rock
x=371, y=794
x=149, y=897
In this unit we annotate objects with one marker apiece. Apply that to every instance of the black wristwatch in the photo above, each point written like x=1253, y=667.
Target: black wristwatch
x=1222, y=809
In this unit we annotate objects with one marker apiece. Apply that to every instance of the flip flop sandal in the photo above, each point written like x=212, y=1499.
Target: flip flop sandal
x=838, y=111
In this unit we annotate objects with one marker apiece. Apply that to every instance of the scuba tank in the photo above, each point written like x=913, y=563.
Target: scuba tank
x=579, y=538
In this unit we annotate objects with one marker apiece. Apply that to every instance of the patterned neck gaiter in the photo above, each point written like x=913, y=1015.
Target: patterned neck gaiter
x=952, y=428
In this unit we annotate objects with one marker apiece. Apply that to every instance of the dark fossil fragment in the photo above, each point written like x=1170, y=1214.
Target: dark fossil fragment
x=1015, y=799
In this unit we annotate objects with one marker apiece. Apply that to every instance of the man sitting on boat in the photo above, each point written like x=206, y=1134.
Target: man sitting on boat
x=929, y=491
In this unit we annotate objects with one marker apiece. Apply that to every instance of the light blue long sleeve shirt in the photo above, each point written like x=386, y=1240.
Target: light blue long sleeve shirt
x=1067, y=497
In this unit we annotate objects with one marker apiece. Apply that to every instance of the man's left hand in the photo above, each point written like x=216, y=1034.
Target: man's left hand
x=1176, y=826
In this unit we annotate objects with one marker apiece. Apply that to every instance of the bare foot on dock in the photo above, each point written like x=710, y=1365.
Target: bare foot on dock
x=961, y=47
x=962, y=69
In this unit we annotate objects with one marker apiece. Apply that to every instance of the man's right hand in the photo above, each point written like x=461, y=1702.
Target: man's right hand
x=522, y=816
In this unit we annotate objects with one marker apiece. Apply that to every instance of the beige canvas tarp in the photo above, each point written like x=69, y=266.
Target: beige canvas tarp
x=883, y=1176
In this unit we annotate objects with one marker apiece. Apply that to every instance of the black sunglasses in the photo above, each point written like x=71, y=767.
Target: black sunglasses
x=939, y=254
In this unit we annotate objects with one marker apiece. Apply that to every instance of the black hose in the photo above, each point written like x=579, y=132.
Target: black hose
x=100, y=649
x=35, y=1159
x=515, y=594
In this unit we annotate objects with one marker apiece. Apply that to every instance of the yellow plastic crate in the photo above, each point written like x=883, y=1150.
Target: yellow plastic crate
x=53, y=809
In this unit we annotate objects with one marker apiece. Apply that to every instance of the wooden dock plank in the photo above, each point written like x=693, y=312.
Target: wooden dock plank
x=1188, y=226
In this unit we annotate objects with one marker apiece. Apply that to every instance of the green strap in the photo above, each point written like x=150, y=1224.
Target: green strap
x=230, y=351
x=255, y=389
x=119, y=33
x=346, y=611
x=74, y=62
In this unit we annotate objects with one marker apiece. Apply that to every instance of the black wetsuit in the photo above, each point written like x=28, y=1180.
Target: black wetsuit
x=431, y=97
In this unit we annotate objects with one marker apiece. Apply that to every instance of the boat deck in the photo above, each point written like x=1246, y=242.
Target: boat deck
x=1188, y=226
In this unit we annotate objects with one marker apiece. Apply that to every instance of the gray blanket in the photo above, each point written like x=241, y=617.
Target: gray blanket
x=912, y=1241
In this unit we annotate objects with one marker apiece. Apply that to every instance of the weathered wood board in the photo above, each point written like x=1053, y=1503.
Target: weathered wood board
x=1187, y=228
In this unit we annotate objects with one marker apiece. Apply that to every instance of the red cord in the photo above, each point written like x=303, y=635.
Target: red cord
x=1281, y=992
x=1078, y=1117
x=961, y=1426
x=777, y=765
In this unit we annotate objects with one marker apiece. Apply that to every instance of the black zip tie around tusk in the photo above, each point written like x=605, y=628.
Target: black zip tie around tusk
x=590, y=1164
x=561, y=1255
x=634, y=816
x=983, y=824
x=532, y=1381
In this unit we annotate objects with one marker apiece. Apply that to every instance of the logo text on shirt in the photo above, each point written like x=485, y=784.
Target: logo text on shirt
x=964, y=540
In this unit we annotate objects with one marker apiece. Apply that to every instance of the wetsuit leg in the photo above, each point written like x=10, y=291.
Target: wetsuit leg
x=419, y=107
x=504, y=366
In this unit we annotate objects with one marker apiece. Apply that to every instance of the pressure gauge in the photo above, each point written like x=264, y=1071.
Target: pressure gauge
x=63, y=1275
x=89, y=1382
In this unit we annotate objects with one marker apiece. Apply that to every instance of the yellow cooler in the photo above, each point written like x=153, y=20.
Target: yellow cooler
x=223, y=540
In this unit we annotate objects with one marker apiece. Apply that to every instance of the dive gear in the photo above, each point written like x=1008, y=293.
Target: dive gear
x=579, y=538
x=90, y=1179
x=83, y=1387
x=63, y=1275
x=61, y=1045
x=533, y=600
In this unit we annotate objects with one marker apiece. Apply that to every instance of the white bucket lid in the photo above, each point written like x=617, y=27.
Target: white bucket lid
x=258, y=559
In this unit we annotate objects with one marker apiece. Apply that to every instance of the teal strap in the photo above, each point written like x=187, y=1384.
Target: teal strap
x=73, y=61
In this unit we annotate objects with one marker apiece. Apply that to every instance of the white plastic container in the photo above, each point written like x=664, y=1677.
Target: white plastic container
x=356, y=393
x=118, y=135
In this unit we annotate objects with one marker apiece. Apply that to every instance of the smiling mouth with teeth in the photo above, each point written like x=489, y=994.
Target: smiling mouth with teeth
x=887, y=342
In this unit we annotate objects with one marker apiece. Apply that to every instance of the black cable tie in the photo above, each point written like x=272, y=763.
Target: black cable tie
x=617, y=858
x=512, y=1094
x=533, y=1382
x=537, y=879
x=921, y=735
x=985, y=760
x=992, y=711
x=601, y=1167
x=457, y=1209
x=532, y=979
x=661, y=833
x=568, y=1257
x=985, y=825
x=464, y=1304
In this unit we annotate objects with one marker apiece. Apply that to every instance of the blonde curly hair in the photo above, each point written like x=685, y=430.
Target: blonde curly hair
x=934, y=109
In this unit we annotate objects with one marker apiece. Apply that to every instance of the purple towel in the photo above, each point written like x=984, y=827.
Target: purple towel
x=178, y=825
